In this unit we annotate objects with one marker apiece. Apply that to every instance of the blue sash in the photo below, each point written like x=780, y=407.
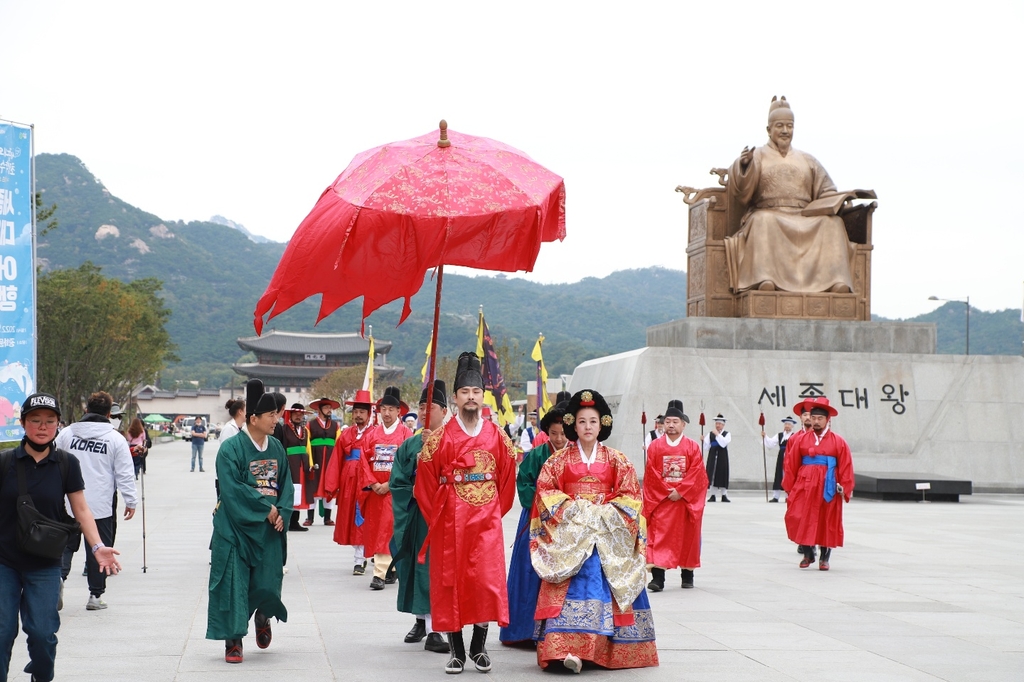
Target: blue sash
x=830, y=475
x=355, y=454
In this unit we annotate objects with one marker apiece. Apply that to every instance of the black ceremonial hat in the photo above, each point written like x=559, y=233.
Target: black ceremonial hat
x=675, y=409
x=468, y=372
x=440, y=396
x=562, y=397
x=256, y=400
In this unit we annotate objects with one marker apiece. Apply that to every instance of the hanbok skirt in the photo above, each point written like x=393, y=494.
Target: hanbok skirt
x=523, y=586
x=586, y=627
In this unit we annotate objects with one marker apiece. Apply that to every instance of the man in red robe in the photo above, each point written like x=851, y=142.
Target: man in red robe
x=465, y=483
x=341, y=480
x=818, y=478
x=323, y=434
x=675, y=488
x=381, y=444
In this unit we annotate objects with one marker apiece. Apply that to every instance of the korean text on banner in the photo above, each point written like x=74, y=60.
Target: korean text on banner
x=17, y=283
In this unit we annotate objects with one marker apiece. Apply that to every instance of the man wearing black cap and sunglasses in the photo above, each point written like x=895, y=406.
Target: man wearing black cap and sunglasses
x=249, y=533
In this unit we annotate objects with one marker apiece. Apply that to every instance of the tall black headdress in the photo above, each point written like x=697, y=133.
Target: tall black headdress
x=468, y=372
x=562, y=397
x=440, y=394
x=256, y=400
x=675, y=409
x=592, y=399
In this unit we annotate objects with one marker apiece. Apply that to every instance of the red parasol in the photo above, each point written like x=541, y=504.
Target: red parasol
x=406, y=207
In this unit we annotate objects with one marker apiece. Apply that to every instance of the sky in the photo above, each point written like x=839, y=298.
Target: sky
x=250, y=109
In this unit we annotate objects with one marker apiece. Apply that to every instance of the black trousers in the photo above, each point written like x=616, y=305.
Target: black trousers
x=97, y=579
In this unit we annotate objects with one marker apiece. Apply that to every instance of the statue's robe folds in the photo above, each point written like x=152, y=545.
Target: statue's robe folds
x=248, y=554
x=776, y=243
x=587, y=544
x=674, y=528
x=464, y=485
x=813, y=467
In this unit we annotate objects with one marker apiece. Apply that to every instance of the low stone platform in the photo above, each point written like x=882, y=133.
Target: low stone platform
x=896, y=486
x=731, y=333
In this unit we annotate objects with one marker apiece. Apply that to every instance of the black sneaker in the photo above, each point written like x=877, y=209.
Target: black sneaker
x=391, y=577
x=359, y=569
x=725, y=499
x=712, y=499
x=296, y=528
x=376, y=583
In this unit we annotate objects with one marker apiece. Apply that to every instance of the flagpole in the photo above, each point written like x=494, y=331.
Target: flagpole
x=433, y=343
x=764, y=454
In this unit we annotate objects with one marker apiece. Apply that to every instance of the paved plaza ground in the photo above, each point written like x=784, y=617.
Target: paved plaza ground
x=920, y=592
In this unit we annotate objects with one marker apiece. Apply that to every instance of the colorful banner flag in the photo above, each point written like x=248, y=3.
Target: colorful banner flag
x=543, y=399
x=495, y=394
x=425, y=372
x=17, y=277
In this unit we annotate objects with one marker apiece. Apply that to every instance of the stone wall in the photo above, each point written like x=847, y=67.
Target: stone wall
x=955, y=416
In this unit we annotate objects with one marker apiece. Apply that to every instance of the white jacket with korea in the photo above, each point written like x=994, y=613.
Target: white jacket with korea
x=106, y=462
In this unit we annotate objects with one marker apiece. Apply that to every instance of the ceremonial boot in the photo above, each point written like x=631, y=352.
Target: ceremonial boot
x=808, y=556
x=826, y=554
x=457, y=663
x=295, y=525
x=478, y=650
x=233, y=650
x=657, y=583
x=711, y=499
x=687, y=579
x=418, y=632
x=327, y=518
x=263, y=633
x=436, y=643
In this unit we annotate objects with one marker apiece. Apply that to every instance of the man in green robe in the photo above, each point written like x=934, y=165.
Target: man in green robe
x=411, y=529
x=249, y=542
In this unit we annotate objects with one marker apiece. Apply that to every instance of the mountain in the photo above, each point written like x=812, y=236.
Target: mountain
x=221, y=220
x=214, y=273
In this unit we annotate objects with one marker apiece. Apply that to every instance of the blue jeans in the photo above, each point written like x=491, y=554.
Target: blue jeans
x=197, y=449
x=34, y=594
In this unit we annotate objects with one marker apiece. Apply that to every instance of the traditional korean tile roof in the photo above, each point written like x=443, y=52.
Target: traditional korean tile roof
x=276, y=341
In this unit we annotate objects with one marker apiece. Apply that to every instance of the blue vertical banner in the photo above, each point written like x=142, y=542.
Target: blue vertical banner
x=17, y=277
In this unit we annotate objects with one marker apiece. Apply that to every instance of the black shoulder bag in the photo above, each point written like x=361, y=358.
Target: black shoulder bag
x=38, y=534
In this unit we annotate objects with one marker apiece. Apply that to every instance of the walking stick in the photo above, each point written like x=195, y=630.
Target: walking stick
x=764, y=453
x=143, y=475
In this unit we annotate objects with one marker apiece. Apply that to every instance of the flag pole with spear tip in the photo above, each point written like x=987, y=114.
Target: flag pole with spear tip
x=701, y=422
x=643, y=432
x=764, y=453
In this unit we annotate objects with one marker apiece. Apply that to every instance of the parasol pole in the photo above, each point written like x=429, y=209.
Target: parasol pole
x=433, y=343
x=764, y=454
x=643, y=432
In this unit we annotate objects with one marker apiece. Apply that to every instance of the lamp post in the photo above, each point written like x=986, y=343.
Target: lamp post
x=966, y=303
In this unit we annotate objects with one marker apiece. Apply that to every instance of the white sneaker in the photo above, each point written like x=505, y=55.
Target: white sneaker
x=95, y=604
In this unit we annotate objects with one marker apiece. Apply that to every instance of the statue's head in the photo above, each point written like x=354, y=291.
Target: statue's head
x=780, y=122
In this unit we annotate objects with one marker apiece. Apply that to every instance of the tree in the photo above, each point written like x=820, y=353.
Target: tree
x=44, y=215
x=99, y=334
x=340, y=385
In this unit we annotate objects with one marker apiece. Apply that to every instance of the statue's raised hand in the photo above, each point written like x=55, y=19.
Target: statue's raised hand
x=745, y=157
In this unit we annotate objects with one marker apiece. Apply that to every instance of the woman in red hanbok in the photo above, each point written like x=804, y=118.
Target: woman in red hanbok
x=592, y=605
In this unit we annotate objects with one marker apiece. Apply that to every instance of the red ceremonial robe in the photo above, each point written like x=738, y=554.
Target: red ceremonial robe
x=673, y=528
x=464, y=485
x=378, y=456
x=810, y=520
x=341, y=481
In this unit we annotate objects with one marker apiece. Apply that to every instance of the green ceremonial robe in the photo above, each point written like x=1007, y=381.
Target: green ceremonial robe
x=410, y=530
x=248, y=553
x=529, y=469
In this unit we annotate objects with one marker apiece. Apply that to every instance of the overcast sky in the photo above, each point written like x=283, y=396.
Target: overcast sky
x=249, y=110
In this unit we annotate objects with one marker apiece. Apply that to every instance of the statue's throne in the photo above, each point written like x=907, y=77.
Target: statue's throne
x=713, y=217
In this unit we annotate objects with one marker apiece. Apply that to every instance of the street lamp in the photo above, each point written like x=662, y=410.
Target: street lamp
x=966, y=303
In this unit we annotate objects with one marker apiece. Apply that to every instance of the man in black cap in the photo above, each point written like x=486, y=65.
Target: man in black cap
x=410, y=528
x=780, y=441
x=324, y=432
x=465, y=483
x=295, y=439
x=717, y=445
x=249, y=533
x=655, y=433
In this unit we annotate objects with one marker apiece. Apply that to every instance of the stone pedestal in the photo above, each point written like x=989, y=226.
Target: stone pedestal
x=799, y=335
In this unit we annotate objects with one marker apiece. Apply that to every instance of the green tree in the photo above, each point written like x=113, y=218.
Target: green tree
x=45, y=220
x=99, y=334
